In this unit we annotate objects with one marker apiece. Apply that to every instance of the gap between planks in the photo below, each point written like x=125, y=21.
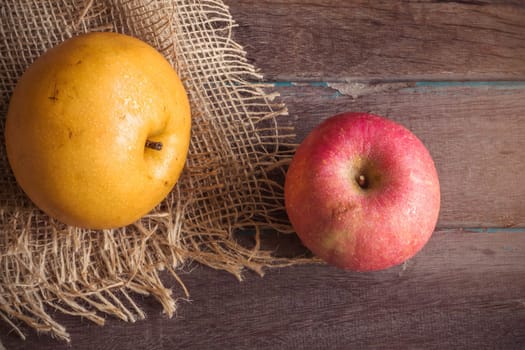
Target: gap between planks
x=357, y=88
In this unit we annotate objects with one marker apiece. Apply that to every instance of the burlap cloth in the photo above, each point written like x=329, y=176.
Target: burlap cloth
x=237, y=148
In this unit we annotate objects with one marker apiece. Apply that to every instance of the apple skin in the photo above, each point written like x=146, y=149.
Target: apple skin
x=362, y=192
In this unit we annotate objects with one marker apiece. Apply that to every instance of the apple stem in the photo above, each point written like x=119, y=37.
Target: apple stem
x=157, y=146
x=361, y=181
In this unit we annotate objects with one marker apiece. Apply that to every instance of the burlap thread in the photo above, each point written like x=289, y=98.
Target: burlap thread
x=237, y=147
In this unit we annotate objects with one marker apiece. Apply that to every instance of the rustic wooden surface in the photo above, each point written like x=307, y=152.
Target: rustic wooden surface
x=333, y=40
x=454, y=73
x=462, y=291
x=475, y=133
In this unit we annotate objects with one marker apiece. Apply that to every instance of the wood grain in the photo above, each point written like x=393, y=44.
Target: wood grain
x=463, y=291
x=384, y=40
x=474, y=133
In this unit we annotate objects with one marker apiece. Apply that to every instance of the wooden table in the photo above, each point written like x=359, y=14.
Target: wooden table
x=454, y=73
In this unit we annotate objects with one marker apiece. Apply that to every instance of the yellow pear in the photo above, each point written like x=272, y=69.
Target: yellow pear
x=98, y=130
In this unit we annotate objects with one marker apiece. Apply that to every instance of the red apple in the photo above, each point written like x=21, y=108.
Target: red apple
x=362, y=192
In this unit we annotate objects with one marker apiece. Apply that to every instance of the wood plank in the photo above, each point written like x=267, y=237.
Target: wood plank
x=383, y=40
x=474, y=133
x=464, y=290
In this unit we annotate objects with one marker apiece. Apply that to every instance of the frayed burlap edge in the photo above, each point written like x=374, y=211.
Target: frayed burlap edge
x=238, y=146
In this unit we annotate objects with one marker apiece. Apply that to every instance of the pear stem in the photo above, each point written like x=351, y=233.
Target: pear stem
x=157, y=146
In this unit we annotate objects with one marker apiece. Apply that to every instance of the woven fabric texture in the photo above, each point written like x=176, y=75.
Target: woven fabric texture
x=237, y=147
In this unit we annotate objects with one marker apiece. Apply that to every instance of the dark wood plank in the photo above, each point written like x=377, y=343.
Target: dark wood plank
x=384, y=40
x=474, y=133
x=464, y=290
